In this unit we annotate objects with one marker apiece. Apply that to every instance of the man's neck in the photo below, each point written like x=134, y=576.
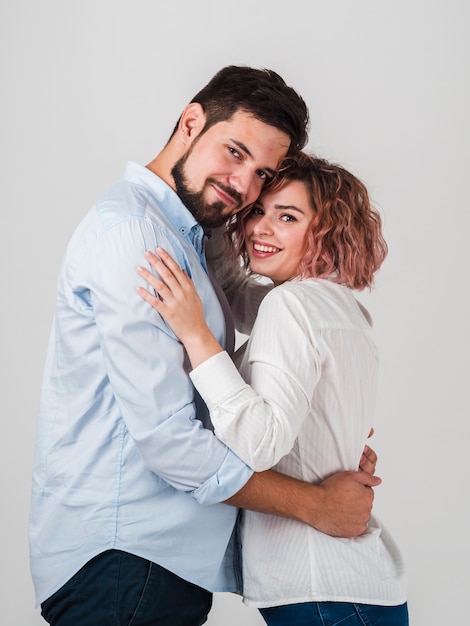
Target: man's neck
x=163, y=163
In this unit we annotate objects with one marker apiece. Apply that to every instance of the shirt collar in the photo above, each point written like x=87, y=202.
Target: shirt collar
x=164, y=196
x=168, y=200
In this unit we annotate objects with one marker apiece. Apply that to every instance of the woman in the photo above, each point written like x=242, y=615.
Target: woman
x=307, y=404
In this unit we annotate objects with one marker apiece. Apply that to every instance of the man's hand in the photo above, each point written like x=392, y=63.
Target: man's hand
x=339, y=506
x=346, y=503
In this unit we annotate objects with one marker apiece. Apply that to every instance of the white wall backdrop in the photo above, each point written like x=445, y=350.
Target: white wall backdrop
x=88, y=85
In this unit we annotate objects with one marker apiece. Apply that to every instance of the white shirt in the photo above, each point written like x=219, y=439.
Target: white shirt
x=312, y=367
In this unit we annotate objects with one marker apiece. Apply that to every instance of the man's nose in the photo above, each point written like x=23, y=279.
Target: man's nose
x=244, y=182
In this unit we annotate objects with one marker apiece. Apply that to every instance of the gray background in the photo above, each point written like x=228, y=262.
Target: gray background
x=88, y=85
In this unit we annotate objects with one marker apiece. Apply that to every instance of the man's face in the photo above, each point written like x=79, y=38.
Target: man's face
x=225, y=168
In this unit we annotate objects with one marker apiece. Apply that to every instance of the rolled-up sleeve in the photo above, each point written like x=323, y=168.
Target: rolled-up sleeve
x=146, y=366
x=261, y=421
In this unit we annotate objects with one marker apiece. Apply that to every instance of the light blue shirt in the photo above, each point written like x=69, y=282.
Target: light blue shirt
x=121, y=459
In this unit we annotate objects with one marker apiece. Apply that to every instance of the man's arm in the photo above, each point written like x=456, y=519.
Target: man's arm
x=339, y=506
x=144, y=364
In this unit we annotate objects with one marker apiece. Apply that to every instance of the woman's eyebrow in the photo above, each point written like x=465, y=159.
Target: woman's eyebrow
x=288, y=207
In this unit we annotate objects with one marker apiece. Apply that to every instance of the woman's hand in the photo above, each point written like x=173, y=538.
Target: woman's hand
x=179, y=304
x=177, y=301
x=368, y=460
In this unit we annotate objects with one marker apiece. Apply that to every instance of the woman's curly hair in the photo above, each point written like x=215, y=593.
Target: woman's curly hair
x=345, y=242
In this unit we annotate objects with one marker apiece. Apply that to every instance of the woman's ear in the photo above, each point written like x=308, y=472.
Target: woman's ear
x=192, y=121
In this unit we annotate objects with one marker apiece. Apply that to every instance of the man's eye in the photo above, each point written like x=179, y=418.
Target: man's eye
x=235, y=152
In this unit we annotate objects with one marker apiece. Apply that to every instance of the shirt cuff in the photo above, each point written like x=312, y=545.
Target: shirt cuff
x=232, y=475
x=216, y=379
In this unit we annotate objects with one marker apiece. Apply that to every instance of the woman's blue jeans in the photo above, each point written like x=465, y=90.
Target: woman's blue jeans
x=120, y=589
x=335, y=614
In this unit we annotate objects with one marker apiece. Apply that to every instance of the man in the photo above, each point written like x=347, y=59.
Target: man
x=129, y=521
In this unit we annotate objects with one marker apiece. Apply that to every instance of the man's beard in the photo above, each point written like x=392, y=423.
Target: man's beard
x=208, y=215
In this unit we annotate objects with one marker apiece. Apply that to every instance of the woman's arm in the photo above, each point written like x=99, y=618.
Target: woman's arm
x=339, y=506
x=259, y=423
x=259, y=426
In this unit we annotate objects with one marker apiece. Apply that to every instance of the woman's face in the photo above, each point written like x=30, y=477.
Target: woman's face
x=276, y=231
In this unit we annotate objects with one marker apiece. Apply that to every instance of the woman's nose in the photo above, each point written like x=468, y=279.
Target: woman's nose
x=263, y=226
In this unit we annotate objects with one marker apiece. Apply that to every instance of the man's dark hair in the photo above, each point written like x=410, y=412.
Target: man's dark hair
x=259, y=92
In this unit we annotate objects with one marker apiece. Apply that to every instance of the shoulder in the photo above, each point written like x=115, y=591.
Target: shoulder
x=303, y=293
x=320, y=303
x=125, y=201
x=286, y=303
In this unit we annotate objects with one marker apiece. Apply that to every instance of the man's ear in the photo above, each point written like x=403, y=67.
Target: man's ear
x=192, y=121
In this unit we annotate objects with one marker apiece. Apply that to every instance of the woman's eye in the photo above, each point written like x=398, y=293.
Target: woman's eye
x=289, y=218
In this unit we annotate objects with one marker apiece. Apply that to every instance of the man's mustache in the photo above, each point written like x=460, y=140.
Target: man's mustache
x=230, y=191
